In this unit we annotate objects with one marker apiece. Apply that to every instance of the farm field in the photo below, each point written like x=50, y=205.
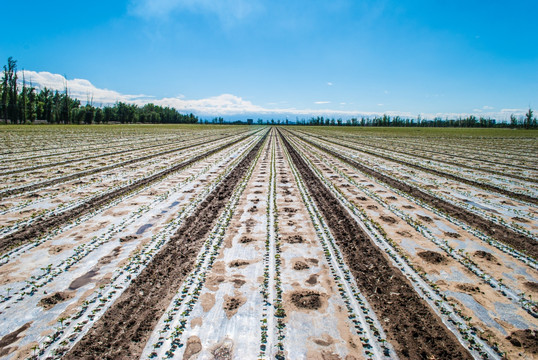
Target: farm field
x=258, y=242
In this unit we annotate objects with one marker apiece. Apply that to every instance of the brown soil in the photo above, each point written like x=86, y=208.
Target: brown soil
x=468, y=288
x=246, y=240
x=11, y=338
x=295, y=239
x=239, y=263
x=485, y=255
x=432, y=257
x=123, y=330
x=526, y=339
x=42, y=226
x=451, y=234
x=306, y=299
x=425, y=218
x=194, y=346
x=312, y=280
x=371, y=207
x=388, y=219
x=531, y=285
x=232, y=304
x=300, y=265
x=412, y=327
x=48, y=302
x=501, y=233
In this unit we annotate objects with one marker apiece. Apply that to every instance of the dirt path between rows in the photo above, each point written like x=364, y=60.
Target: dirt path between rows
x=42, y=226
x=410, y=324
x=498, y=232
x=488, y=187
x=124, y=329
x=43, y=184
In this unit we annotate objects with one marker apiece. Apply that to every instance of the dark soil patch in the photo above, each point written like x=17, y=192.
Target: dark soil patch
x=289, y=210
x=526, y=339
x=312, y=280
x=239, y=263
x=426, y=219
x=300, y=265
x=468, y=288
x=295, y=239
x=371, y=207
x=246, y=240
x=306, y=300
x=83, y=280
x=125, y=327
x=411, y=326
x=48, y=302
x=253, y=209
x=432, y=257
x=388, y=219
x=533, y=286
x=408, y=207
x=451, y=234
x=484, y=255
x=520, y=219
x=11, y=338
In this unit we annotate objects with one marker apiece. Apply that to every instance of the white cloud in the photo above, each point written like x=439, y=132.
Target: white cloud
x=330, y=83
x=486, y=107
x=227, y=11
x=224, y=104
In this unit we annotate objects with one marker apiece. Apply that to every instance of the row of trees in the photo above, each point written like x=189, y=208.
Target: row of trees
x=526, y=122
x=27, y=104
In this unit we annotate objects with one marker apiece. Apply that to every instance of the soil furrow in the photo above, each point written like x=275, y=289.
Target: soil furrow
x=410, y=324
x=42, y=226
x=498, y=232
x=125, y=327
x=488, y=187
x=43, y=184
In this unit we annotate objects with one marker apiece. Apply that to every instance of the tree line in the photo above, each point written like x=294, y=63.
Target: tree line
x=529, y=121
x=26, y=104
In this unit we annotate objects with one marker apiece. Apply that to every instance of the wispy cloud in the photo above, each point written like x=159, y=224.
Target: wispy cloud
x=222, y=105
x=227, y=11
x=330, y=83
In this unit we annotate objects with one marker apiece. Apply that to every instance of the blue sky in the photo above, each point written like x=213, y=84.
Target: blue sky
x=293, y=58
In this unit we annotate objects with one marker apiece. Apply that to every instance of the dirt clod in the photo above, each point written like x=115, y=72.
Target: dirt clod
x=432, y=257
x=526, y=339
x=306, y=299
x=485, y=255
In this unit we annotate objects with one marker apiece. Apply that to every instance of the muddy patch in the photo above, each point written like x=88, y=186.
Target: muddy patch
x=48, y=302
x=143, y=228
x=433, y=257
x=404, y=233
x=128, y=238
x=371, y=207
